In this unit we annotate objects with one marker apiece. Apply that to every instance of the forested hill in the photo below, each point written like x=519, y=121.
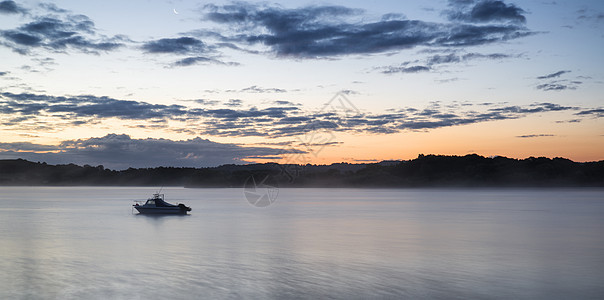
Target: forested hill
x=424, y=171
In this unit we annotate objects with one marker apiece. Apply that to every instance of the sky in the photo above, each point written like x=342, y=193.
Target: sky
x=146, y=83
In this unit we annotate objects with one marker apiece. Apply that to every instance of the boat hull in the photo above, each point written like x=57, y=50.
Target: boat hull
x=157, y=206
x=161, y=210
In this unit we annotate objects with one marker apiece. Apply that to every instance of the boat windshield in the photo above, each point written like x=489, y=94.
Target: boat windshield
x=151, y=201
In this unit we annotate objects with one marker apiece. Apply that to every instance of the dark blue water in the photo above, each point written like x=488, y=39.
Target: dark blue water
x=85, y=243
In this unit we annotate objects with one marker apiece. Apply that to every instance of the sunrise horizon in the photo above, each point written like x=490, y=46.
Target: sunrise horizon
x=193, y=84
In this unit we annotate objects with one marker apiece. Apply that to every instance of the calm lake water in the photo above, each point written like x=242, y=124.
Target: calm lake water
x=85, y=243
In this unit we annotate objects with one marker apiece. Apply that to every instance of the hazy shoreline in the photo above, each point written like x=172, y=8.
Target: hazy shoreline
x=430, y=171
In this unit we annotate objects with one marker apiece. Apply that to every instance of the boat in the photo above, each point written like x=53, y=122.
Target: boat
x=157, y=205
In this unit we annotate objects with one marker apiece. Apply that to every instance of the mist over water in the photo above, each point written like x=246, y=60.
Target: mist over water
x=85, y=243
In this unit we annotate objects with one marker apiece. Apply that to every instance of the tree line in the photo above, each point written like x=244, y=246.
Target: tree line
x=424, y=171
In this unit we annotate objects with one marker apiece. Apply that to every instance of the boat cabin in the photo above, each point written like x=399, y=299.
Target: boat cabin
x=158, y=201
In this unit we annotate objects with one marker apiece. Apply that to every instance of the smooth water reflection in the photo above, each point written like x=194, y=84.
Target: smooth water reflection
x=312, y=243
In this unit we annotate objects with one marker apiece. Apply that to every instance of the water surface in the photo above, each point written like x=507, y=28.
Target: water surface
x=85, y=243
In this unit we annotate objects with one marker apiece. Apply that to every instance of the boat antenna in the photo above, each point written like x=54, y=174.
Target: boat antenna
x=161, y=188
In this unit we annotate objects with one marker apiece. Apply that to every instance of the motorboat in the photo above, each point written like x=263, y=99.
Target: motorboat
x=157, y=205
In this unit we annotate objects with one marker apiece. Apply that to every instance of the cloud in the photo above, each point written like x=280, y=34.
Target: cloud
x=10, y=7
x=349, y=92
x=34, y=105
x=559, y=84
x=51, y=7
x=430, y=63
x=189, y=61
x=534, y=136
x=598, y=112
x=553, y=75
x=205, y=101
x=486, y=11
x=197, y=50
x=400, y=69
x=25, y=146
x=443, y=59
x=256, y=89
x=555, y=87
x=234, y=102
x=590, y=15
x=177, y=45
x=494, y=56
x=120, y=151
x=319, y=31
x=39, y=108
x=329, y=31
x=287, y=103
x=2, y=73
x=58, y=32
x=41, y=112
x=570, y=121
x=232, y=114
x=434, y=117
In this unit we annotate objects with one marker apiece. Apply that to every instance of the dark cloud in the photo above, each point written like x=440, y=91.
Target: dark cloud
x=35, y=105
x=26, y=146
x=233, y=119
x=2, y=73
x=189, y=61
x=461, y=3
x=197, y=51
x=444, y=59
x=51, y=7
x=559, y=84
x=289, y=143
x=256, y=89
x=555, y=87
x=349, y=92
x=11, y=7
x=120, y=151
x=447, y=80
x=205, y=101
x=486, y=11
x=533, y=108
x=325, y=31
x=58, y=33
x=534, y=135
x=493, y=56
x=320, y=31
x=590, y=15
x=232, y=114
x=431, y=62
x=177, y=45
x=288, y=103
x=569, y=121
x=599, y=112
x=553, y=75
x=295, y=120
x=434, y=117
x=474, y=35
x=401, y=69
x=234, y=102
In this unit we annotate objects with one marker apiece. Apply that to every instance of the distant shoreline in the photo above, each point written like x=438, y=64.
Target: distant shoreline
x=429, y=171
x=431, y=188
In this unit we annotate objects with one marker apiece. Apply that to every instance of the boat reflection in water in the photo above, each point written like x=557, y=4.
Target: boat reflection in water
x=157, y=206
